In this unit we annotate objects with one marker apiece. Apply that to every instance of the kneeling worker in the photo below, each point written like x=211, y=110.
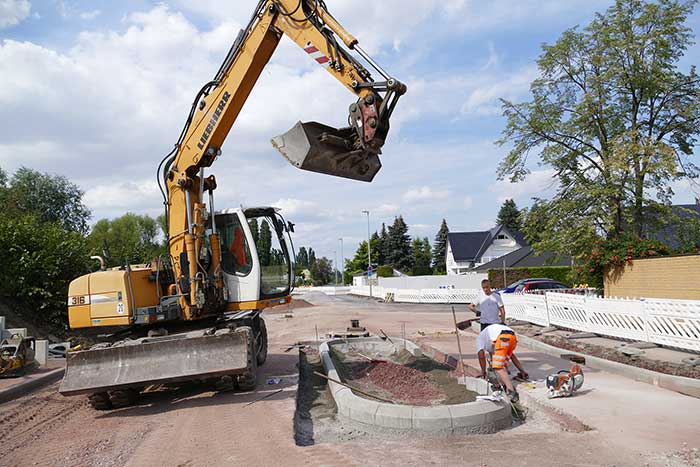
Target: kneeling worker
x=500, y=341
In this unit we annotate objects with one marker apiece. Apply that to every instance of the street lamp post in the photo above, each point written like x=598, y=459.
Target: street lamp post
x=342, y=263
x=335, y=267
x=369, y=257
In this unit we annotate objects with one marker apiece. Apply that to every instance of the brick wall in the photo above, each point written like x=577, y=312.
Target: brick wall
x=668, y=277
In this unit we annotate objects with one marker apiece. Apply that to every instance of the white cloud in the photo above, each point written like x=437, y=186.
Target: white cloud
x=539, y=183
x=90, y=15
x=425, y=193
x=468, y=202
x=296, y=207
x=13, y=12
x=485, y=91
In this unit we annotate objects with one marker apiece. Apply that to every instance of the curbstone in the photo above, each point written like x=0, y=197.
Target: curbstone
x=432, y=418
x=363, y=410
x=394, y=416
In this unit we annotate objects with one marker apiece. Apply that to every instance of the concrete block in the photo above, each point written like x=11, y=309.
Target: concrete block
x=394, y=416
x=41, y=353
x=478, y=385
x=631, y=351
x=582, y=335
x=342, y=401
x=472, y=415
x=641, y=345
x=363, y=410
x=432, y=418
x=546, y=330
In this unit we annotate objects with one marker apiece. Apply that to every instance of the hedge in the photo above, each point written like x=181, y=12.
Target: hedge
x=558, y=273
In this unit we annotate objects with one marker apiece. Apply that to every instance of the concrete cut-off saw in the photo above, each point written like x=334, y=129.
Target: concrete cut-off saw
x=565, y=383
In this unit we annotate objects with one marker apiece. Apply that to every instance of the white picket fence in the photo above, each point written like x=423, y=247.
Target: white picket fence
x=674, y=323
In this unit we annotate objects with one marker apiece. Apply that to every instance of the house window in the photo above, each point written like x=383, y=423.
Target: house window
x=502, y=237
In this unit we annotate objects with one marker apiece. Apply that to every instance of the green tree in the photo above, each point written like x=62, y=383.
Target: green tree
x=421, y=257
x=264, y=244
x=312, y=257
x=302, y=258
x=358, y=263
x=322, y=271
x=399, y=253
x=509, y=216
x=382, y=245
x=39, y=261
x=130, y=238
x=440, y=249
x=254, y=230
x=614, y=117
x=52, y=198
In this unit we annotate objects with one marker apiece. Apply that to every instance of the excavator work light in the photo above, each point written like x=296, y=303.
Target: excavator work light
x=320, y=148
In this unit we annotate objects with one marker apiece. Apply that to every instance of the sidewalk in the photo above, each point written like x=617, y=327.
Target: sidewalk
x=642, y=417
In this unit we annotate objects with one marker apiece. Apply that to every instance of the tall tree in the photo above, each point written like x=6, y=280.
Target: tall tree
x=440, y=249
x=130, y=238
x=399, y=252
x=421, y=257
x=254, y=229
x=614, y=117
x=264, y=244
x=382, y=245
x=52, y=198
x=312, y=257
x=322, y=271
x=302, y=258
x=509, y=216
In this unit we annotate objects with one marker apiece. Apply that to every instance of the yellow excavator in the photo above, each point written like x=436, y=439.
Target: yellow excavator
x=195, y=314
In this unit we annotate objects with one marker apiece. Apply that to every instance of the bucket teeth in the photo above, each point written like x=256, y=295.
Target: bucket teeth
x=320, y=148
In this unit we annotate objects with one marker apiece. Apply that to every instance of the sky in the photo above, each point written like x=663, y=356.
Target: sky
x=98, y=91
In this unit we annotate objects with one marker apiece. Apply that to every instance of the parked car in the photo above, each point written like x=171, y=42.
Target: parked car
x=540, y=285
x=511, y=288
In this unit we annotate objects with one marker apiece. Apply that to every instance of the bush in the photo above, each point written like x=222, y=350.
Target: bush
x=557, y=273
x=385, y=271
x=39, y=261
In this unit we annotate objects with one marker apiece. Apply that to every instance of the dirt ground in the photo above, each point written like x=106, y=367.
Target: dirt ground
x=194, y=426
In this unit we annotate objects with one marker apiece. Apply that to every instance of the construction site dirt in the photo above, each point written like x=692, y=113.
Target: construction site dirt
x=289, y=420
x=402, y=378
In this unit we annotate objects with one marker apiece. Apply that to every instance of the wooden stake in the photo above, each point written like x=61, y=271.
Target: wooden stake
x=354, y=388
x=459, y=343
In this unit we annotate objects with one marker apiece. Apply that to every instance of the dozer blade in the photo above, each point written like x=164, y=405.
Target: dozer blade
x=327, y=150
x=157, y=361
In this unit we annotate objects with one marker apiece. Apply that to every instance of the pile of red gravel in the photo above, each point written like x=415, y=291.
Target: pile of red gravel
x=402, y=384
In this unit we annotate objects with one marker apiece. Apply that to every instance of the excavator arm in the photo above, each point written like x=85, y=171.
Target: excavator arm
x=350, y=152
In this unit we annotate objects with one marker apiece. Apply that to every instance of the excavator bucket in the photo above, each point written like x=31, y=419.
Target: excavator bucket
x=327, y=150
x=157, y=360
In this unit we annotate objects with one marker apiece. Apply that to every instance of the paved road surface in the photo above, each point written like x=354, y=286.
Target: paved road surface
x=197, y=427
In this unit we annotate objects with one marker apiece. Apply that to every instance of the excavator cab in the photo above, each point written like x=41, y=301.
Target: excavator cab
x=255, y=259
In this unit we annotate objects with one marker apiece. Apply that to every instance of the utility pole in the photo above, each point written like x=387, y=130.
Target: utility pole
x=335, y=267
x=342, y=263
x=369, y=257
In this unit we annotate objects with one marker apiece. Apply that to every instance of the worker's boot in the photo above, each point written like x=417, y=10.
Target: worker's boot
x=513, y=396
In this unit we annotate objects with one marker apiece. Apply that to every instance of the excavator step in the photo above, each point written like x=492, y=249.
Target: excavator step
x=158, y=360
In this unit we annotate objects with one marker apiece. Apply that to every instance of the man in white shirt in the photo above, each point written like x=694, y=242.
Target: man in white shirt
x=489, y=306
x=500, y=341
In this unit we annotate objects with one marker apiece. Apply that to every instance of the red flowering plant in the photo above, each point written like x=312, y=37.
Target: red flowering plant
x=615, y=253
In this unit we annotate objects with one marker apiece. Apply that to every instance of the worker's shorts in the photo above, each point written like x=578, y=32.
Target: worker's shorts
x=503, y=348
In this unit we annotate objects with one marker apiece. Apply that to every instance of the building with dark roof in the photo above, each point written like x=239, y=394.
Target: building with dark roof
x=469, y=250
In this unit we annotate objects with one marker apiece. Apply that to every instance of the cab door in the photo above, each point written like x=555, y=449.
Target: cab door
x=254, y=256
x=239, y=258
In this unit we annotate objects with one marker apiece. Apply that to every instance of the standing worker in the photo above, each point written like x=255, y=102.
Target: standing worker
x=489, y=307
x=500, y=341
